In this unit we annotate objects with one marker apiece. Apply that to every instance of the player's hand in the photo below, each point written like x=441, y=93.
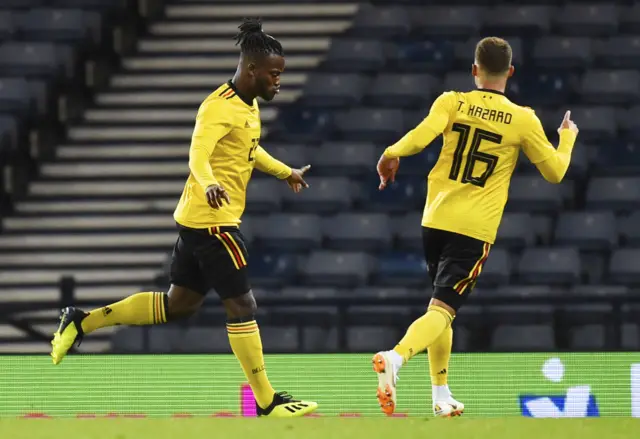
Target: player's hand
x=215, y=195
x=568, y=124
x=387, y=169
x=296, y=181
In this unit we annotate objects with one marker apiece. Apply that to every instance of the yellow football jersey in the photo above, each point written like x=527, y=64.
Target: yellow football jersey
x=225, y=148
x=483, y=134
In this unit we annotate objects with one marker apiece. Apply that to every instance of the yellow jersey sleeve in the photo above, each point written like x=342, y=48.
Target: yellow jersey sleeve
x=551, y=163
x=213, y=122
x=431, y=127
x=269, y=165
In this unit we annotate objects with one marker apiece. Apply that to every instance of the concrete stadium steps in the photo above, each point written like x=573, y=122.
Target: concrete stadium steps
x=108, y=294
x=88, y=241
x=54, y=208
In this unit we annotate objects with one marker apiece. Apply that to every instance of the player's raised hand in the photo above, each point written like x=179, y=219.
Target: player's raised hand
x=567, y=123
x=387, y=168
x=215, y=195
x=296, y=181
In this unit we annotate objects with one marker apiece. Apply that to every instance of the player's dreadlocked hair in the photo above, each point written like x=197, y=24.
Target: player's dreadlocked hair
x=254, y=41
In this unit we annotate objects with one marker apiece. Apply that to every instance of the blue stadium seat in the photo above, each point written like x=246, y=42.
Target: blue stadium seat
x=336, y=269
x=562, y=52
x=624, y=267
x=355, y=55
x=549, y=266
x=291, y=154
x=587, y=230
x=628, y=123
x=325, y=195
x=630, y=229
x=497, y=269
x=14, y=96
x=333, y=90
x=459, y=81
x=343, y=159
x=421, y=164
x=383, y=22
x=408, y=193
x=7, y=25
x=531, y=193
x=546, y=88
x=431, y=56
x=516, y=231
x=9, y=130
x=445, y=21
x=595, y=123
x=303, y=124
x=29, y=59
x=513, y=19
x=401, y=90
x=290, y=232
x=611, y=86
x=617, y=159
x=263, y=195
x=357, y=231
x=371, y=124
x=596, y=20
x=26, y=4
x=55, y=25
x=408, y=231
x=620, y=194
x=272, y=269
x=401, y=269
x=619, y=51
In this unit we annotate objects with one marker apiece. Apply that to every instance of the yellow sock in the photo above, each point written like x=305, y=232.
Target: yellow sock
x=247, y=346
x=423, y=332
x=139, y=309
x=439, y=354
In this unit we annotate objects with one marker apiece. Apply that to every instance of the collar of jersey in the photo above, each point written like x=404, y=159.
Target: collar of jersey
x=234, y=88
x=486, y=90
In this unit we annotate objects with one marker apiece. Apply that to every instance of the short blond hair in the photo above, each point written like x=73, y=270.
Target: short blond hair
x=493, y=55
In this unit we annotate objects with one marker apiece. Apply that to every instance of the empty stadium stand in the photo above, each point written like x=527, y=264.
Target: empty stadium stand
x=564, y=274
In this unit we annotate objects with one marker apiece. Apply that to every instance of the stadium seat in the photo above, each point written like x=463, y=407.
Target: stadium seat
x=351, y=159
x=407, y=193
x=371, y=124
x=445, y=21
x=611, y=86
x=562, y=52
x=355, y=55
x=357, y=231
x=324, y=195
x=549, y=265
x=293, y=155
x=56, y=25
x=402, y=269
x=30, y=59
x=303, y=124
x=421, y=56
x=461, y=81
x=533, y=194
x=515, y=231
x=627, y=119
x=263, y=196
x=371, y=338
x=546, y=88
x=624, y=267
x=523, y=338
x=496, y=270
x=618, y=159
x=7, y=25
x=336, y=269
x=618, y=51
x=586, y=230
x=620, y=194
x=630, y=229
x=333, y=90
x=271, y=269
x=597, y=20
x=514, y=19
x=384, y=22
x=290, y=232
x=401, y=90
x=408, y=231
x=15, y=96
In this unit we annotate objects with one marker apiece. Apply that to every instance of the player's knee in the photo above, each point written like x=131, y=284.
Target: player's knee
x=241, y=306
x=182, y=303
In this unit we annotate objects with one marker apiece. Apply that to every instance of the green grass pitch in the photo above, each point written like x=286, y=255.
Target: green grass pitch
x=320, y=428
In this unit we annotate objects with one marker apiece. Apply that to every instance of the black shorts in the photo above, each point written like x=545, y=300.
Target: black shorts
x=454, y=263
x=215, y=258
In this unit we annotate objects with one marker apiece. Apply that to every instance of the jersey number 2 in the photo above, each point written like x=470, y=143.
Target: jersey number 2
x=474, y=155
x=252, y=150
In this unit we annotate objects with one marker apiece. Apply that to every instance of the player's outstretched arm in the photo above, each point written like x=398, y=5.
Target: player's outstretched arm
x=417, y=139
x=552, y=163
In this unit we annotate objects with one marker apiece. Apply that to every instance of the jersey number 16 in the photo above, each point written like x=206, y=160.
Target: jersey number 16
x=474, y=155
